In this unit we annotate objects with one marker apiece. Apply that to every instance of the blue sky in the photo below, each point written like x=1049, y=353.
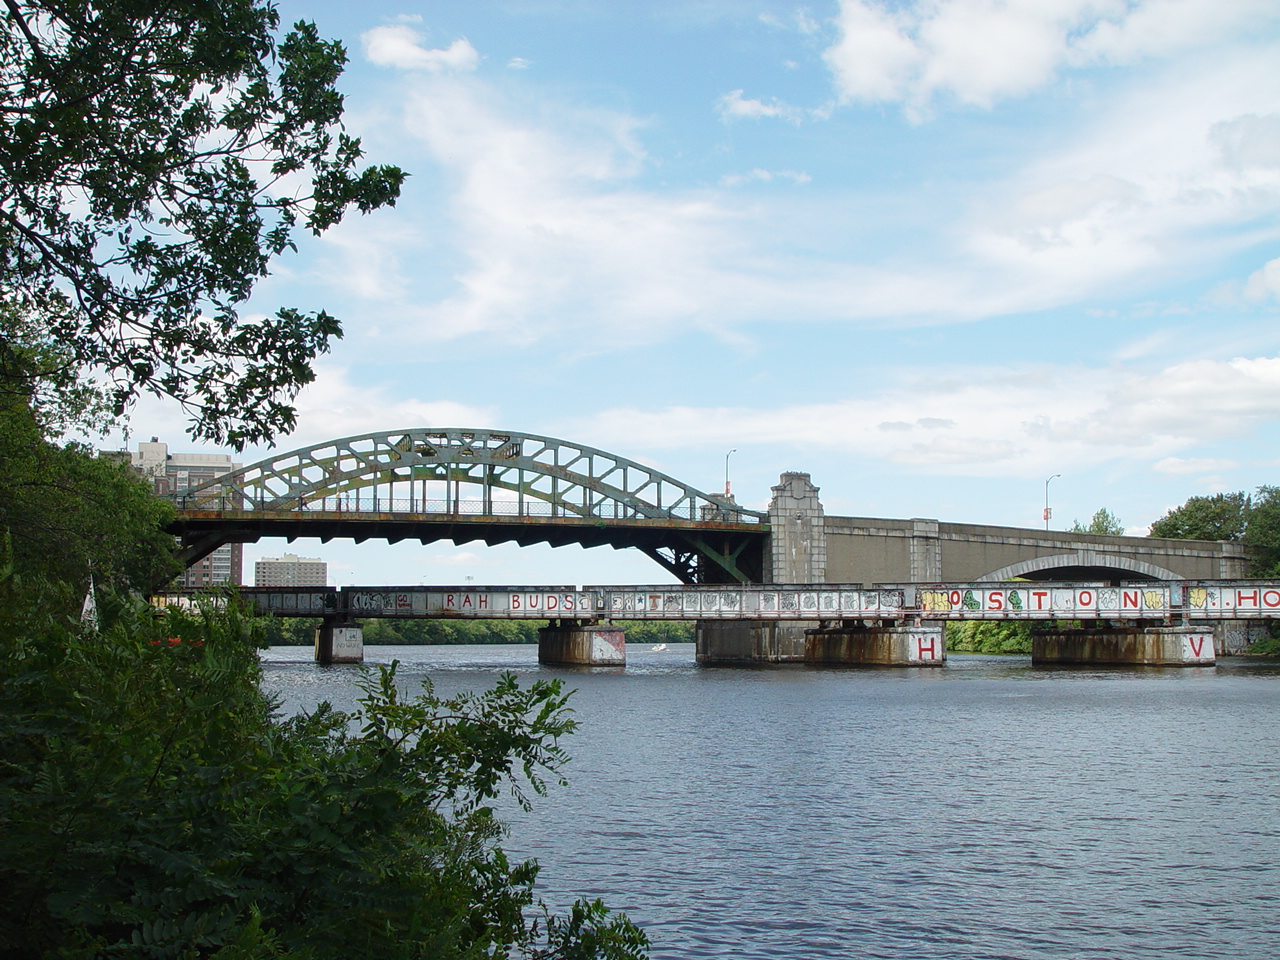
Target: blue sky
x=930, y=253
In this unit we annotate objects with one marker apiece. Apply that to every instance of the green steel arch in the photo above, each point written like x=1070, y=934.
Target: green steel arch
x=492, y=485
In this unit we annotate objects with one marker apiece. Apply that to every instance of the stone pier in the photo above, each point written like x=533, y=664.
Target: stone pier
x=906, y=645
x=339, y=641
x=1149, y=646
x=587, y=643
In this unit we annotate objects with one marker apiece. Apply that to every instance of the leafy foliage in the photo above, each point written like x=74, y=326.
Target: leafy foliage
x=151, y=805
x=68, y=515
x=1262, y=532
x=1231, y=516
x=1222, y=516
x=1104, y=522
x=153, y=159
x=989, y=636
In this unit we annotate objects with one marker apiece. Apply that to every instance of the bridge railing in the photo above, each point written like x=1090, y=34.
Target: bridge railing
x=357, y=505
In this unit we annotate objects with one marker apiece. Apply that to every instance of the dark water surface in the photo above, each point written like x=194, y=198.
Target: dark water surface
x=986, y=809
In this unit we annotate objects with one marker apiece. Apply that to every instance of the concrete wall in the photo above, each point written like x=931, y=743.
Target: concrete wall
x=798, y=538
x=1143, y=646
x=871, y=550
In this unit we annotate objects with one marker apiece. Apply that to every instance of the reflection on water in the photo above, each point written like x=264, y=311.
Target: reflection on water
x=988, y=809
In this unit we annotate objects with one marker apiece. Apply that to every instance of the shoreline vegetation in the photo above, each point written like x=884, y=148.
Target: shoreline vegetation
x=154, y=804
x=300, y=631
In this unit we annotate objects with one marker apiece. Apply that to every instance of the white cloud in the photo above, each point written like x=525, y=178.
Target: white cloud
x=552, y=227
x=333, y=405
x=363, y=258
x=554, y=234
x=1265, y=283
x=400, y=46
x=759, y=175
x=734, y=105
x=982, y=51
x=1182, y=466
x=519, y=63
x=992, y=422
x=1136, y=193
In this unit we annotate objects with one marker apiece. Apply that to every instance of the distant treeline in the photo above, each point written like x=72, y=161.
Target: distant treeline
x=301, y=631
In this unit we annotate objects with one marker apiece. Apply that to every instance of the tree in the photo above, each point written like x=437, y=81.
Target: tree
x=1231, y=516
x=66, y=515
x=152, y=806
x=153, y=159
x=1222, y=516
x=1262, y=532
x=1104, y=521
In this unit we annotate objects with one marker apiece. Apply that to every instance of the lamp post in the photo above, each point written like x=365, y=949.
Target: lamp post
x=1047, y=512
x=726, y=470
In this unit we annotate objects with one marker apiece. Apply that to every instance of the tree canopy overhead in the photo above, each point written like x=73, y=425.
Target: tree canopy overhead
x=153, y=158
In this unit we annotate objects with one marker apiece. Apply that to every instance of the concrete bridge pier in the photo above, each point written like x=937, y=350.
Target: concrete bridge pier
x=1162, y=646
x=587, y=643
x=855, y=642
x=339, y=640
x=1233, y=637
x=727, y=642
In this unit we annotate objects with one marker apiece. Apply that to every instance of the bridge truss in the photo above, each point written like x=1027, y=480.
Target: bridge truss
x=469, y=484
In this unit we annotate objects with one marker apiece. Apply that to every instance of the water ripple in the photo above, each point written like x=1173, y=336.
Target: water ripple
x=987, y=810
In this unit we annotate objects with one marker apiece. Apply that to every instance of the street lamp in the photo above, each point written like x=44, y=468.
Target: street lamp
x=726, y=469
x=1047, y=512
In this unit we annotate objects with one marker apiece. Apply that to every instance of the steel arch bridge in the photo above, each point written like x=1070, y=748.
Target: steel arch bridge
x=463, y=485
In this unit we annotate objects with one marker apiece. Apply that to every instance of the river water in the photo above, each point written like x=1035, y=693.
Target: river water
x=987, y=809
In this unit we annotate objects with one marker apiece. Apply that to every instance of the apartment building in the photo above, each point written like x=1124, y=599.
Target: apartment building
x=290, y=570
x=175, y=473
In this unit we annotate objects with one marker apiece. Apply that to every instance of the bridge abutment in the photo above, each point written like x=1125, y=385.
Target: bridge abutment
x=1140, y=646
x=339, y=641
x=857, y=644
x=585, y=643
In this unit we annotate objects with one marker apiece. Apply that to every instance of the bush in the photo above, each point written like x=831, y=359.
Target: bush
x=152, y=804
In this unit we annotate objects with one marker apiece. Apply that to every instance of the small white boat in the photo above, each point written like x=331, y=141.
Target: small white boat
x=661, y=646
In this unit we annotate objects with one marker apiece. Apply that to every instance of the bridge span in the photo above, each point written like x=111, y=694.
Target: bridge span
x=1160, y=623
x=465, y=485
x=469, y=485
